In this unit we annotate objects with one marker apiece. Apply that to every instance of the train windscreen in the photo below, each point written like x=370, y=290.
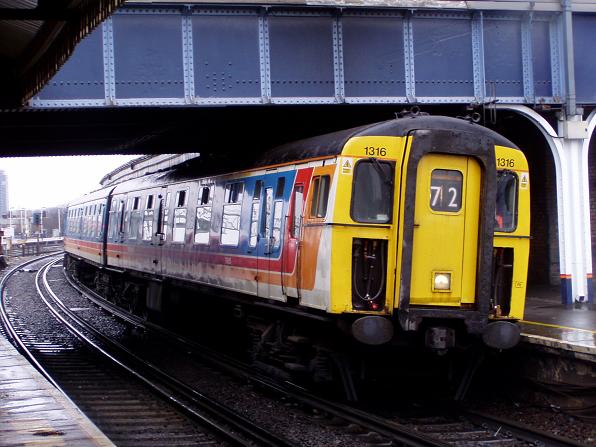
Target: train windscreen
x=372, y=193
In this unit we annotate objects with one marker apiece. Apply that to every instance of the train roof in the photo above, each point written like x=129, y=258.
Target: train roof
x=333, y=143
x=321, y=146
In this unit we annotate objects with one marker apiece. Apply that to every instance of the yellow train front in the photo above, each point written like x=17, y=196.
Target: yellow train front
x=427, y=230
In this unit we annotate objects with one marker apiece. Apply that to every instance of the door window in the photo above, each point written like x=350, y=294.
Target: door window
x=446, y=190
x=506, y=206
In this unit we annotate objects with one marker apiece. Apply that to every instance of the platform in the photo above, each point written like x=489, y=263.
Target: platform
x=550, y=324
x=34, y=413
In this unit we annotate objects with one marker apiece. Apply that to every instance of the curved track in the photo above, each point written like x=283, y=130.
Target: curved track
x=110, y=384
x=459, y=427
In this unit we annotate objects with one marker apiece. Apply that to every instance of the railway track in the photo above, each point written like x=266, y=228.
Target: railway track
x=129, y=399
x=453, y=426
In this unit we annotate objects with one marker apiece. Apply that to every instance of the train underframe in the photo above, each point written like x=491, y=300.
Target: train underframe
x=318, y=349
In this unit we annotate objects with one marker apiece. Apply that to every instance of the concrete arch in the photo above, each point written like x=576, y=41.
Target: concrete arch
x=591, y=120
x=571, y=170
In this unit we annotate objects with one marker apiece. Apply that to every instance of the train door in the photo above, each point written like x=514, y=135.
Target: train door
x=149, y=219
x=158, y=237
x=269, y=277
x=293, y=256
x=163, y=227
x=446, y=222
x=264, y=245
x=116, y=230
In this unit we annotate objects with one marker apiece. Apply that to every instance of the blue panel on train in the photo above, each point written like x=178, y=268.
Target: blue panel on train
x=584, y=34
x=226, y=56
x=541, y=59
x=503, y=58
x=373, y=56
x=301, y=56
x=443, y=57
x=81, y=77
x=148, y=56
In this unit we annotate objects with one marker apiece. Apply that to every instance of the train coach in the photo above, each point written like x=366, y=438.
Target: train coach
x=414, y=225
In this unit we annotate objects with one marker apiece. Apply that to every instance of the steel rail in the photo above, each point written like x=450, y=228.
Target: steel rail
x=36, y=341
x=241, y=424
x=17, y=340
x=397, y=432
x=520, y=430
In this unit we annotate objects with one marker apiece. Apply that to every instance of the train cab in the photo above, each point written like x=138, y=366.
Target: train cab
x=434, y=227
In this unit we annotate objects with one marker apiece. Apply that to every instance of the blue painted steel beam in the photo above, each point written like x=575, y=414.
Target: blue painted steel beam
x=217, y=55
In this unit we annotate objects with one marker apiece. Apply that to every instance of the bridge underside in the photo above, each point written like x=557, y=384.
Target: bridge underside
x=179, y=78
x=209, y=130
x=216, y=55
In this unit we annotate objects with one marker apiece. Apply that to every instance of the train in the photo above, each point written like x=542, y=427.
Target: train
x=415, y=225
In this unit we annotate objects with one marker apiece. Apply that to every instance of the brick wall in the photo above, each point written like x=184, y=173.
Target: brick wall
x=544, y=245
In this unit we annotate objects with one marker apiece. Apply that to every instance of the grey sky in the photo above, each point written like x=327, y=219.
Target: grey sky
x=49, y=181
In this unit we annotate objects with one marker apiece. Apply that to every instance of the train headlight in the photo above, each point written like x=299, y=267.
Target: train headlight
x=441, y=282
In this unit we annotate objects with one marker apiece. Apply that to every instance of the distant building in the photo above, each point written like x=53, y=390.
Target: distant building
x=26, y=223
x=3, y=193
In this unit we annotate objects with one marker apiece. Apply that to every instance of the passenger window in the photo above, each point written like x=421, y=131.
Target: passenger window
x=203, y=216
x=205, y=195
x=230, y=228
x=202, y=225
x=179, y=224
x=279, y=190
x=446, y=190
x=234, y=192
x=135, y=218
x=277, y=222
x=255, y=213
x=84, y=222
x=126, y=213
x=116, y=219
x=166, y=215
x=112, y=220
x=297, y=206
x=266, y=227
x=91, y=218
x=100, y=211
x=147, y=232
x=181, y=198
x=320, y=196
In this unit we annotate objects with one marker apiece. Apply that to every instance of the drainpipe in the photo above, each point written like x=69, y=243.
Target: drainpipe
x=571, y=106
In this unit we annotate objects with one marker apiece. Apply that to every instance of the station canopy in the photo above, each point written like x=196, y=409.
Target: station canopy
x=37, y=37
